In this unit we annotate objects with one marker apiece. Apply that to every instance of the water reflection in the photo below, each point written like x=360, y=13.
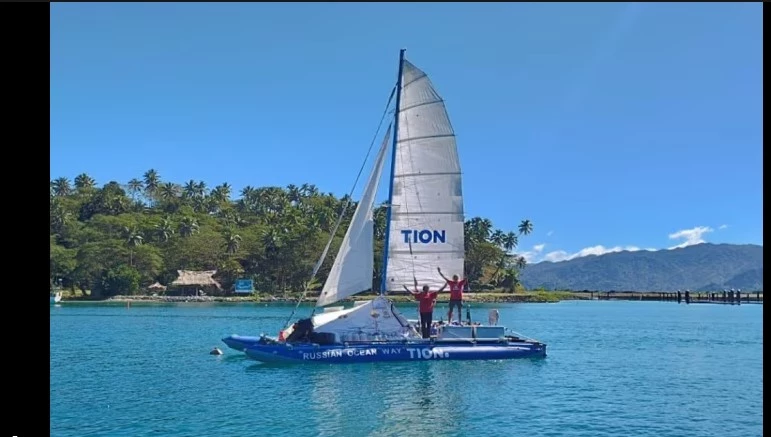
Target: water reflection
x=338, y=393
x=424, y=399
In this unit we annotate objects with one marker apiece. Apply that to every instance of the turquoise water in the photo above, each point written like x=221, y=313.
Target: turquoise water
x=614, y=369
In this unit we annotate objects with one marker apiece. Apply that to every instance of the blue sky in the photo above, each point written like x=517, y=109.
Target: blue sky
x=610, y=126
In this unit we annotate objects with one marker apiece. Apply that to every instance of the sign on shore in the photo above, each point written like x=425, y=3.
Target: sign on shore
x=244, y=286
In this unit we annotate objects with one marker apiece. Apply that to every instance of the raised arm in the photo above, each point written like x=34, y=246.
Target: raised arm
x=408, y=290
x=439, y=269
x=443, y=287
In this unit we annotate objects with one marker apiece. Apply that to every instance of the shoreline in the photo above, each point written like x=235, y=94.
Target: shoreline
x=547, y=297
x=471, y=298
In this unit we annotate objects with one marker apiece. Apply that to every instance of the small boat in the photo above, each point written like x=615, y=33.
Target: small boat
x=56, y=296
x=424, y=230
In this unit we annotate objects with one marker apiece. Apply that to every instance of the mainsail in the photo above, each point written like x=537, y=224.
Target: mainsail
x=351, y=272
x=426, y=217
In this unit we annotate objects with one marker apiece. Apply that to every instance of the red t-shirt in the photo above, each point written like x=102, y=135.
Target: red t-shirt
x=426, y=300
x=456, y=289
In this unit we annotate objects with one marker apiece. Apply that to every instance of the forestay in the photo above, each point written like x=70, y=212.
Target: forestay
x=426, y=228
x=352, y=270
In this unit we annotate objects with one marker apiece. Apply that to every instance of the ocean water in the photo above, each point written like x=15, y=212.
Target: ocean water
x=614, y=368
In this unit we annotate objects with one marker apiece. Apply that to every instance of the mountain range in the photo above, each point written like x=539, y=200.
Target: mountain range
x=700, y=267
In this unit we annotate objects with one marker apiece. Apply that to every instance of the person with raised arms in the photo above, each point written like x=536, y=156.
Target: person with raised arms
x=456, y=294
x=427, y=300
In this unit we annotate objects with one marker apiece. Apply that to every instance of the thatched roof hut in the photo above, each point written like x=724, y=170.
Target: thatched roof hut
x=195, y=280
x=156, y=287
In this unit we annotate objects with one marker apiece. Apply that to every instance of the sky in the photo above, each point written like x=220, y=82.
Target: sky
x=611, y=126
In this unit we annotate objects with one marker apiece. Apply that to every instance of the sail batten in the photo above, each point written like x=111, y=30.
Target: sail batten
x=426, y=217
x=414, y=175
x=432, y=136
x=352, y=270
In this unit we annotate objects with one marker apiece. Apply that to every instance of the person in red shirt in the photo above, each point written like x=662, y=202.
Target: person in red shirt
x=456, y=294
x=427, y=300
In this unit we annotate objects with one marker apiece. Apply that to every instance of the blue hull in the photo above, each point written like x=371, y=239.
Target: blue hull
x=275, y=352
x=240, y=342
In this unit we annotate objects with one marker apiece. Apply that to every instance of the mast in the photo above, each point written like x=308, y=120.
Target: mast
x=383, y=279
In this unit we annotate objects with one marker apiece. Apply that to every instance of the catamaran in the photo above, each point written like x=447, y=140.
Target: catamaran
x=424, y=230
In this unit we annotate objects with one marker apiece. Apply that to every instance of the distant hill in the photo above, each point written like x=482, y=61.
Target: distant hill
x=699, y=267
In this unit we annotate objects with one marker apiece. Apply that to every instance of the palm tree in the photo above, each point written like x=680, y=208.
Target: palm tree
x=189, y=190
x=58, y=215
x=294, y=194
x=247, y=191
x=497, y=237
x=510, y=241
x=500, y=267
x=226, y=190
x=221, y=193
x=233, y=242
x=248, y=199
x=133, y=239
x=477, y=230
x=309, y=190
x=379, y=217
x=326, y=219
x=525, y=227
x=84, y=183
x=219, y=199
x=508, y=261
x=273, y=240
x=188, y=226
x=294, y=220
x=167, y=191
x=511, y=279
x=486, y=227
x=201, y=189
x=165, y=229
x=62, y=187
x=195, y=194
x=134, y=187
x=231, y=218
x=521, y=262
x=152, y=181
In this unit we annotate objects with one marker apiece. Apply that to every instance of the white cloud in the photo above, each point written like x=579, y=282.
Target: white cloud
x=550, y=233
x=691, y=236
x=531, y=255
x=556, y=256
x=721, y=227
x=561, y=255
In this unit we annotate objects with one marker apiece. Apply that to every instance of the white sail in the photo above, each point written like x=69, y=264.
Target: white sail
x=351, y=272
x=375, y=317
x=426, y=226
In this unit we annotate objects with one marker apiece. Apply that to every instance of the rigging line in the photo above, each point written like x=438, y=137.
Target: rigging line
x=413, y=262
x=342, y=213
x=417, y=195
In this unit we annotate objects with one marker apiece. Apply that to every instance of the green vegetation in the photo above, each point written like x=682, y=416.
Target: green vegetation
x=120, y=238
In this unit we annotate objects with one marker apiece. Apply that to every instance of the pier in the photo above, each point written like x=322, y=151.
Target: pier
x=703, y=297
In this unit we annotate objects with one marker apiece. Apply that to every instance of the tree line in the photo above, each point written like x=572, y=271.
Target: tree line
x=119, y=238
